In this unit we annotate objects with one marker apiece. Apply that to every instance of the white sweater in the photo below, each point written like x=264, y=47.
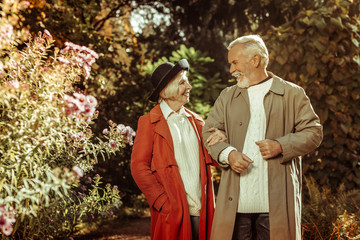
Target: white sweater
x=253, y=197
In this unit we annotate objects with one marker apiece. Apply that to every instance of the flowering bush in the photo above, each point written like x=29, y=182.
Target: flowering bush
x=347, y=226
x=7, y=218
x=46, y=142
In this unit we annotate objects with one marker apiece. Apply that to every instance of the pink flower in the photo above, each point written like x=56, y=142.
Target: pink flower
x=78, y=171
x=80, y=136
x=91, y=100
x=105, y=131
x=63, y=60
x=112, y=144
x=127, y=131
x=13, y=83
x=81, y=56
x=130, y=140
x=7, y=229
x=73, y=103
x=47, y=33
x=24, y=5
x=88, y=180
x=79, y=96
x=80, y=105
x=7, y=218
x=121, y=129
x=6, y=33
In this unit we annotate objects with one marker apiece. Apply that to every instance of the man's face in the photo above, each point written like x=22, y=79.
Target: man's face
x=240, y=66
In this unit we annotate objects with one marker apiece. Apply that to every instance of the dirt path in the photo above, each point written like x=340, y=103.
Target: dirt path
x=128, y=229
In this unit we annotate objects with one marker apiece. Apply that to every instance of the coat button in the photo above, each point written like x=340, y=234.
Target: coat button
x=230, y=198
x=240, y=123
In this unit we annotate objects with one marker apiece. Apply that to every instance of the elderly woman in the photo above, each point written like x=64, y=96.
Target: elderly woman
x=169, y=162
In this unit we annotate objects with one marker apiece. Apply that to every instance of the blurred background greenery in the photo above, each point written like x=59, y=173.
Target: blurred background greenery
x=314, y=43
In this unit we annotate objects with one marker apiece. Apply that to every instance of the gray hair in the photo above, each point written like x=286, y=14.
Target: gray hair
x=171, y=89
x=252, y=45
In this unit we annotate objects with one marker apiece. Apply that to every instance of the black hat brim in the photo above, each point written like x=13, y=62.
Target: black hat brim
x=181, y=65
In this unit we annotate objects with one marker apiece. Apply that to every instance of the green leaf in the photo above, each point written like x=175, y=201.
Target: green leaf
x=321, y=48
x=320, y=24
x=331, y=100
x=281, y=59
x=176, y=55
x=337, y=22
x=354, y=28
x=356, y=59
x=355, y=42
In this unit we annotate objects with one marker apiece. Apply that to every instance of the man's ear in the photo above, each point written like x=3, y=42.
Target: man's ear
x=256, y=60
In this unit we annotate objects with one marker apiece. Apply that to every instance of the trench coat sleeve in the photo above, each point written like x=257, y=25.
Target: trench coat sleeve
x=141, y=164
x=216, y=119
x=307, y=133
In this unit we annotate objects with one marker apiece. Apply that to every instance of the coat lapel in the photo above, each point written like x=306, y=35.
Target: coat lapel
x=160, y=125
x=278, y=89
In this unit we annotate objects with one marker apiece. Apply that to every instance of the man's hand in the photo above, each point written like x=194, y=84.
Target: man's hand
x=216, y=136
x=239, y=161
x=269, y=148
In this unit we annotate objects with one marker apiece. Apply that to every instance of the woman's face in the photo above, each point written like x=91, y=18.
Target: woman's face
x=183, y=90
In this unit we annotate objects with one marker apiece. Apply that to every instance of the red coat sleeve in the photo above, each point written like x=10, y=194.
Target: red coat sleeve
x=141, y=164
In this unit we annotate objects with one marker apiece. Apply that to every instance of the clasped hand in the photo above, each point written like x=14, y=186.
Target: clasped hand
x=268, y=149
x=216, y=136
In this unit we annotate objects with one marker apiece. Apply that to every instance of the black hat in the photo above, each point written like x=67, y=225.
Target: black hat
x=163, y=75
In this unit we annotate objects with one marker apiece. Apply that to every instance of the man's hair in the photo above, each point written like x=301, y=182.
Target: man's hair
x=170, y=91
x=252, y=45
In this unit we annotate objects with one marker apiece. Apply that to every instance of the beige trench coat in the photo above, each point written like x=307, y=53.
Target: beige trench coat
x=291, y=121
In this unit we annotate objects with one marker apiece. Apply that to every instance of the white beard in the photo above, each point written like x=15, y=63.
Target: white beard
x=244, y=83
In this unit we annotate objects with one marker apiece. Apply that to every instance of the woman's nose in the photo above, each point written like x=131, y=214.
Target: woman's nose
x=188, y=86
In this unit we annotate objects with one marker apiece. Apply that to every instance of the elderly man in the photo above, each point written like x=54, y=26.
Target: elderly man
x=270, y=124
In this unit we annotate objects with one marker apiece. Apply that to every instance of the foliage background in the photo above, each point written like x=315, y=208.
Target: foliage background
x=314, y=43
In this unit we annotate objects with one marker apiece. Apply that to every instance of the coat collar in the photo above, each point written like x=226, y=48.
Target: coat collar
x=156, y=114
x=160, y=125
x=277, y=87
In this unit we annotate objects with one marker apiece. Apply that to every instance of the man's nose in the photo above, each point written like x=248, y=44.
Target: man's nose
x=232, y=68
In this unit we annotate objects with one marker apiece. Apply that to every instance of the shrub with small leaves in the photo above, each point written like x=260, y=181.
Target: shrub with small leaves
x=47, y=146
x=347, y=226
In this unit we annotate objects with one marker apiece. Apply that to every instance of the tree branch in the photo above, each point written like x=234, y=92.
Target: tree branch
x=99, y=24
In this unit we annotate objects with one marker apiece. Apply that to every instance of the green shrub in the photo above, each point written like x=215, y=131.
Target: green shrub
x=46, y=142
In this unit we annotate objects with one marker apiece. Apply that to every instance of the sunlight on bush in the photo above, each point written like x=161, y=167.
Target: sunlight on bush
x=347, y=226
x=329, y=216
x=46, y=142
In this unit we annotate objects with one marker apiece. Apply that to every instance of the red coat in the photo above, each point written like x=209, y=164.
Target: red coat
x=155, y=171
